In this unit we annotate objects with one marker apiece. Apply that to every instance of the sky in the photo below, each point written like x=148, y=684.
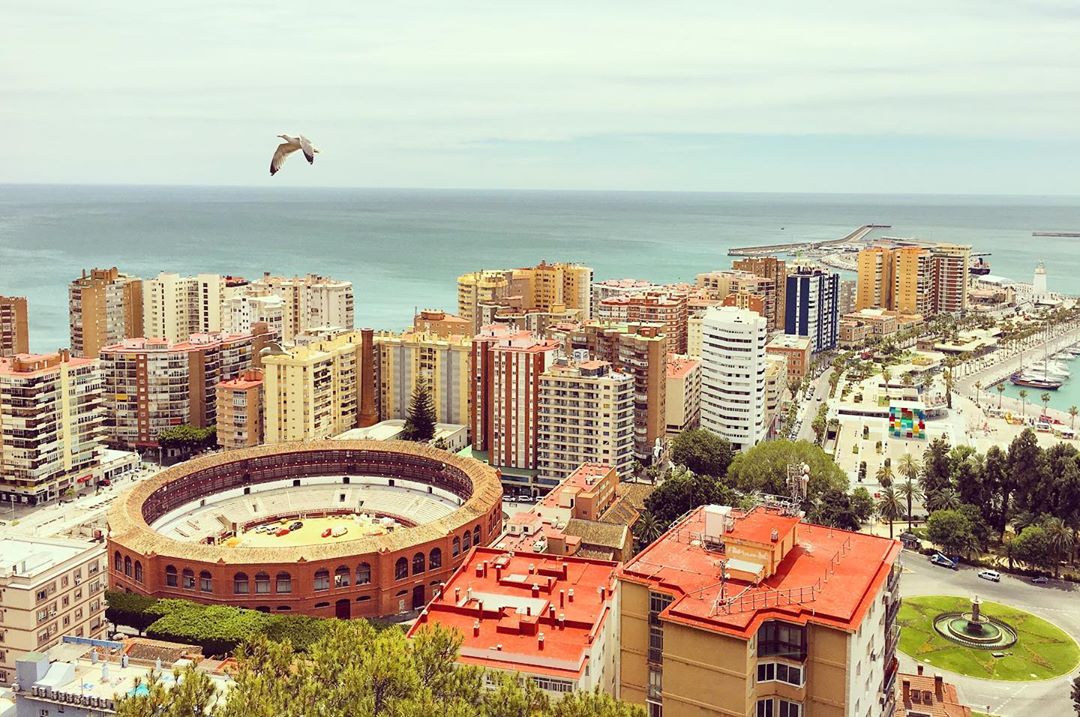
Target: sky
x=960, y=97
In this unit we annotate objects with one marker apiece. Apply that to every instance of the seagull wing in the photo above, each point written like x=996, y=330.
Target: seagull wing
x=284, y=150
x=309, y=151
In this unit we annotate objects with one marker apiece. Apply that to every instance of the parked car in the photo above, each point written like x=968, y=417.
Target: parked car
x=281, y=532
x=326, y=533
x=1040, y=580
x=524, y=499
x=939, y=559
x=991, y=575
x=296, y=525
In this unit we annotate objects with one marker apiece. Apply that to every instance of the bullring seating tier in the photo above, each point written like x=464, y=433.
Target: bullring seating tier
x=408, y=502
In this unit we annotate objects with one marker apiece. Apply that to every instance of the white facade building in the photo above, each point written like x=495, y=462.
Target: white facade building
x=175, y=307
x=733, y=375
x=311, y=302
x=240, y=313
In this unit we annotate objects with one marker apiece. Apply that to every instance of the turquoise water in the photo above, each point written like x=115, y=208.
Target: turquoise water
x=404, y=248
x=1067, y=395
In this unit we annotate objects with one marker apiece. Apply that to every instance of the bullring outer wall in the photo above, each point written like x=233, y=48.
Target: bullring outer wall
x=143, y=561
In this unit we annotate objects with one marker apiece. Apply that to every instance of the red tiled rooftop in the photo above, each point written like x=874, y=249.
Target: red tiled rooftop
x=829, y=577
x=501, y=603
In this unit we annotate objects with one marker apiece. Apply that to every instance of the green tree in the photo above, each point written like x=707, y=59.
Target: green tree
x=889, y=507
x=885, y=475
x=945, y=499
x=1023, y=402
x=192, y=694
x=764, y=469
x=951, y=530
x=838, y=509
x=1059, y=540
x=684, y=490
x=1073, y=410
x=950, y=366
x=702, y=451
x=978, y=389
x=937, y=466
x=1000, y=388
x=1045, y=398
x=646, y=529
x=1032, y=547
x=420, y=419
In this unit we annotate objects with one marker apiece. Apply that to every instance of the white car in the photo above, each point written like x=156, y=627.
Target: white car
x=991, y=575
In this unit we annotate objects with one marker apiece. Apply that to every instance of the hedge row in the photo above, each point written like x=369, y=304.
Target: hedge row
x=218, y=629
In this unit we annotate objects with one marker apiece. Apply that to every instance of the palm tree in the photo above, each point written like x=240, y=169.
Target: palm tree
x=949, y=364
x=1060, y=539
x=1023, y=402
x=909, y=491
x=907, y=380
x=1045, y=398
x=1073, y=410
x=889, y=507
x=1000, y=388
x=927, y=381
x=886, y=374
x=944, y=499
x=885, y=475
x=909, y=467
x=647, y=529
x=978, y=388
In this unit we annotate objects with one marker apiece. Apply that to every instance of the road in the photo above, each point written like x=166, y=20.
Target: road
x=809, y=409
x=1056, y=602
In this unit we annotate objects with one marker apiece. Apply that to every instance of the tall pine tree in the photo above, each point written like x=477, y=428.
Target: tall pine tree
x=420, y=422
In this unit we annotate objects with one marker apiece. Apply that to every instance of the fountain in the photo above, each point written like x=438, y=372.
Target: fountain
x=974, y=629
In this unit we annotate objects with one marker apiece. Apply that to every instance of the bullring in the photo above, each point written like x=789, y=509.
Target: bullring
x=410, y=512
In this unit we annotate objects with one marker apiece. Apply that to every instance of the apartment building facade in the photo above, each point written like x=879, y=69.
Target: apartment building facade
x=51, y=416
x=312, y=303
x=640, y=350
x=241, y=312
x=152, y=385
x=917, y=279
x=104, y=307
x=312, y=392
x=813, y=307
x=14, y=326
x=175, y=306
x=506, y=366
x=733, y=375
x=240, y=411
x=756, y=613
x=667, y=309
x=49, y=587
x=775, y=270
x=441, y=363
x=683, y=399
x=586, y=415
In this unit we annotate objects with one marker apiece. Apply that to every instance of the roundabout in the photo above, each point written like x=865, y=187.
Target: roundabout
x=984, y=639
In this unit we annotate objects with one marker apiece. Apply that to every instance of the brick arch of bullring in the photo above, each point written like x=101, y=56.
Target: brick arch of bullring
x=318, y=584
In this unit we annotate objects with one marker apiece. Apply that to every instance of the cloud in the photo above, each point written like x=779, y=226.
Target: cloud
x=195, y=92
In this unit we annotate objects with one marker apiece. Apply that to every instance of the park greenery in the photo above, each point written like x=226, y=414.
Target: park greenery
x=420, y=419
x=1021, y=503
x=217, y=629
x=353, y=669
x=185, y=440
x=1041, y=651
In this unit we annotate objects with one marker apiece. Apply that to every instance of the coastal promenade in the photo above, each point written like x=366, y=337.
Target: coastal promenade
x=792, y=247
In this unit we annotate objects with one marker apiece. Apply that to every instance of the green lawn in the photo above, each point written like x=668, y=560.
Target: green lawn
x=1041, y=652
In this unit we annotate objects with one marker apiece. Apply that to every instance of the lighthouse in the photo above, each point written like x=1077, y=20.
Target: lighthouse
x=1038, y=284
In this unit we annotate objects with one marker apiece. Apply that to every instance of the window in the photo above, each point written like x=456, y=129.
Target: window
x=765, y=708
x=363, y=574
x=118, y=562
x=341, y=577
x=655, y=683
x=127, y=567
x=241, y=586
x=466, y=540
x=262, y=584
x=790, y=709
x=138, y=572
x=780, y=639
x=284, y=583
x=189, y=579
x=780, y=672
x=206, y=582
x=435, y=558
x=322, y=579
x=401, y=569
x=456, y=549
x=476, y=536
x=170, y=576
x=418, y=564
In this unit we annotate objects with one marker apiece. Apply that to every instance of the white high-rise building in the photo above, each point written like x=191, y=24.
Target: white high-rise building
x=311, y=303
x=733, y=375
x=175, y=307
x=240, y=313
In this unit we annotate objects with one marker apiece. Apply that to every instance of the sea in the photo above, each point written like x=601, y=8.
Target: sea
x=403, y=248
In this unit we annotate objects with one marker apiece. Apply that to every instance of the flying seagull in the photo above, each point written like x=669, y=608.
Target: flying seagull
x=290, y=145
